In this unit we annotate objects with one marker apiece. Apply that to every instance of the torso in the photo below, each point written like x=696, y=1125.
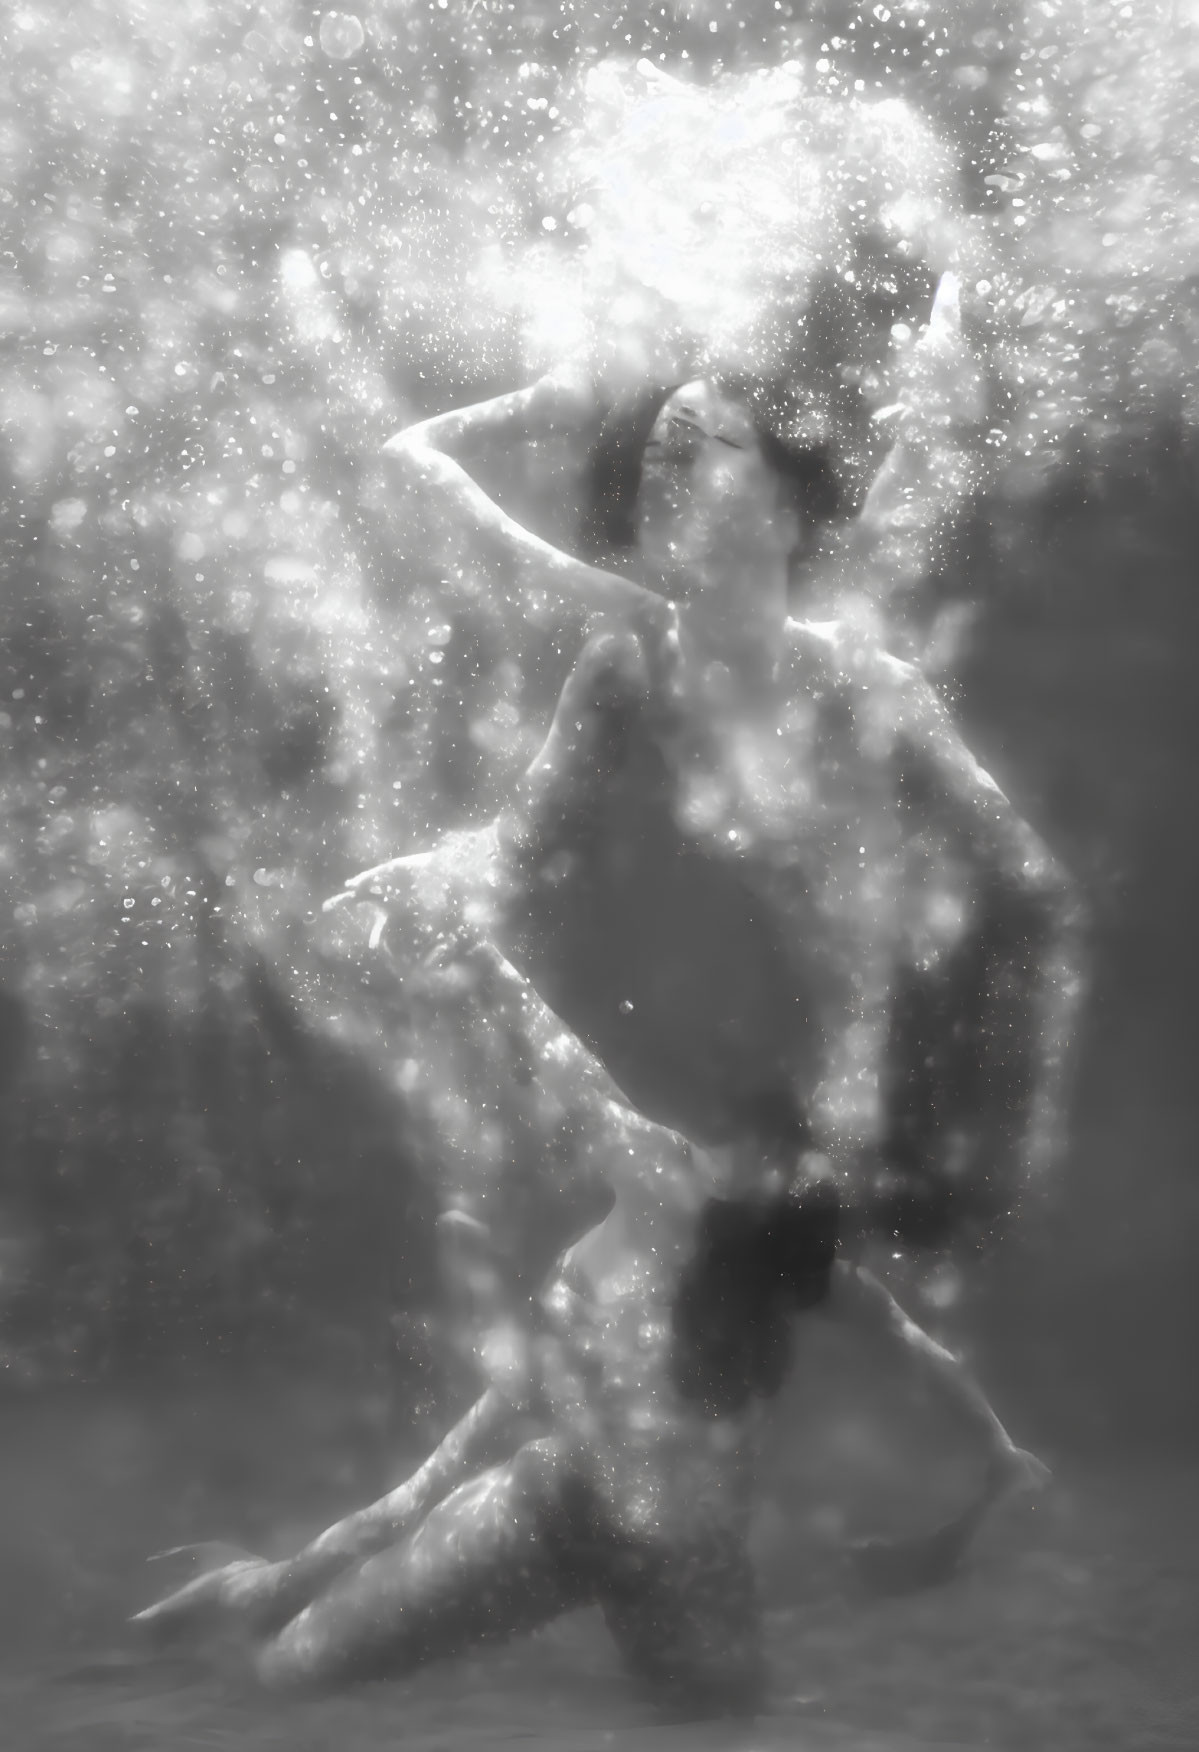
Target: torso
x=658, y=1464
x=669, y=1328
x=720, y=917
x=671, y=921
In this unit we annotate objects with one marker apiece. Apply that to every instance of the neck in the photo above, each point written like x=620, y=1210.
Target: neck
x=731, y=648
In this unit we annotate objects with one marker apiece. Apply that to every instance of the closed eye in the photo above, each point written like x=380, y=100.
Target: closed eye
x=731, y=442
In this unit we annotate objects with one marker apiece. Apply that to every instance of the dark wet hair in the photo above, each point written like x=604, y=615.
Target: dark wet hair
x=612, y=480
x=752, y=1266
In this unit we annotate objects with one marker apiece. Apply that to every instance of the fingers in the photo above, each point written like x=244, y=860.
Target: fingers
x=381, y=883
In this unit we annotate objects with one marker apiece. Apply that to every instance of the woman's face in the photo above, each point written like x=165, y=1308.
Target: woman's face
x=711, y=507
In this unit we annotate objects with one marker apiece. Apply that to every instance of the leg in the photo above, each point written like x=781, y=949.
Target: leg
x=858, y=1298
x=265, y=1595
x=688, y=1623
x=491, y=1560
x=901, y=1565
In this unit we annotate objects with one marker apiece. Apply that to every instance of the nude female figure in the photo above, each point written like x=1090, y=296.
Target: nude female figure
x=636, y=1400
x=668, y=939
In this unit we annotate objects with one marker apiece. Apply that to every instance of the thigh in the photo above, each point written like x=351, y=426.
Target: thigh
x=491, y=1560
x=687, y=1621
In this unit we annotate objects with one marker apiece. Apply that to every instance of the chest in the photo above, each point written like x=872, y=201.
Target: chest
x=695, y=915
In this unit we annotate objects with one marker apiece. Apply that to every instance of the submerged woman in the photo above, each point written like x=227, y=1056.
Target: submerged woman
x=685, y=942
x=893, y=952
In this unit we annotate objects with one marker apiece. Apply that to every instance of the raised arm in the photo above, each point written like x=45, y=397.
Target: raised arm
x=1043, y=904
x=555, y=407
x=973, y=1025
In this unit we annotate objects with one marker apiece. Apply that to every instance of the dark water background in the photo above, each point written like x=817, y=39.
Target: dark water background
x=221, y=1316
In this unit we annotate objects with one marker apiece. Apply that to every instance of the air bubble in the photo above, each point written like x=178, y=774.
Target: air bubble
x=341, y=35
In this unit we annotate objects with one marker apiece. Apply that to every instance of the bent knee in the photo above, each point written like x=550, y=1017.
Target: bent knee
x=293, y=1660
x=321, y=1650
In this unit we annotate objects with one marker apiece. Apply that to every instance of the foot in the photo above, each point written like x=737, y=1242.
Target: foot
x=204, y=1603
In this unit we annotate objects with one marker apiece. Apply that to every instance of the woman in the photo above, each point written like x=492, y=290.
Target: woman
x=632, y=1397
x=896, y=946
x=668, y=934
